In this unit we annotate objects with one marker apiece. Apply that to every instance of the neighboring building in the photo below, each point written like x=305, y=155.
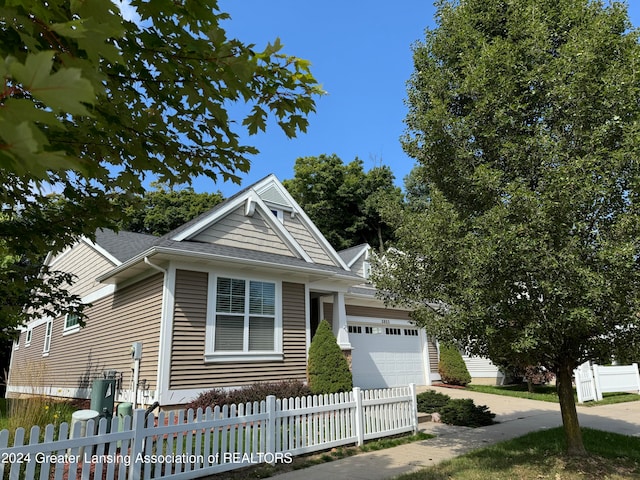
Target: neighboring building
x=228, y=299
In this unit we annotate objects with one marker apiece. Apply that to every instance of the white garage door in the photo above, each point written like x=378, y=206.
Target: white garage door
x=386, y=356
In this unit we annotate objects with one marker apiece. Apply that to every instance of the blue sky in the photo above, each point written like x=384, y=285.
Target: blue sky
x=361, y=54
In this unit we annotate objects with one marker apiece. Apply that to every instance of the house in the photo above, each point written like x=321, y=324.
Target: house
x=227, y=299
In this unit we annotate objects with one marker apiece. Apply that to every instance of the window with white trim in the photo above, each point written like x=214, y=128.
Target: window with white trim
x=279, y=214
x=27, y=338
x=71, y=322
x=245, y=321
x=47, y=338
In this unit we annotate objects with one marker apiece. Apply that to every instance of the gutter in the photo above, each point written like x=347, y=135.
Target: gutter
x=154, y=266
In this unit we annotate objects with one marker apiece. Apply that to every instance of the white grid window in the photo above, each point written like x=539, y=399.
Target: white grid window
x=245, y=316
x=71, y=322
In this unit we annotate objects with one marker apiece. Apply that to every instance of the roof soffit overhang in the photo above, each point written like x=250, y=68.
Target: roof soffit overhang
x=164, y=255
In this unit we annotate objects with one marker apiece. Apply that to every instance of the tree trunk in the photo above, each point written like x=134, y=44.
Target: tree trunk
x=380, y=240
x=569, y=413
x=530, y=386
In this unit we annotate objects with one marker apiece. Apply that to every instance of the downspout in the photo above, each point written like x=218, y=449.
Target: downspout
x=161, y=333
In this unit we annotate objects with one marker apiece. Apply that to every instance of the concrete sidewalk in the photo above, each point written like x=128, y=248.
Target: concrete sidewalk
x=516, y=417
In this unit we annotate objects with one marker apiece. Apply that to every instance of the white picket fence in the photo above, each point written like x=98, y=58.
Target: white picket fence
x=192, y=444
x=594, y=380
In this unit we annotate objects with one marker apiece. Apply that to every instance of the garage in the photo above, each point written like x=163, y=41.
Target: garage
x=386, y=354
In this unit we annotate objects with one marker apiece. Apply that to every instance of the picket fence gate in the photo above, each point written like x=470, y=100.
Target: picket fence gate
x=190, y=444
x=594, y=380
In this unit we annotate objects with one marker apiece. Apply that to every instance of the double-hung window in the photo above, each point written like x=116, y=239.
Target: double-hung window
x=245, y=323
x=47, y=338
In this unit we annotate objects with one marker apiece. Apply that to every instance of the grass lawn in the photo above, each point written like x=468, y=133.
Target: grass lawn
x=539, y=455
x=547, y=393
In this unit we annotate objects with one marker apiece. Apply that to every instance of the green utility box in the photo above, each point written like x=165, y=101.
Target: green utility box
x=103, y=393
x=125, y=409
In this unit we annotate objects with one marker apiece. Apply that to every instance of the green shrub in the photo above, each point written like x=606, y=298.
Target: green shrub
x=251, y=393
x=451, y=367
x=464, y=412
x=431, y=401
x=327, y=368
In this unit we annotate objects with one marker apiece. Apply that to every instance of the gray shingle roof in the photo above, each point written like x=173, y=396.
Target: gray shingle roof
x=348, y=255
x=124, y=245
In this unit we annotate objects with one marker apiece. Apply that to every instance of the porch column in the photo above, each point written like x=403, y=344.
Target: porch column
x=340, y=321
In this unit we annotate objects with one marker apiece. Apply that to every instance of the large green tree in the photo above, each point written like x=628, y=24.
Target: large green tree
x=343, y=200
x=92, y=105
x=524, y=116
x=162, y=209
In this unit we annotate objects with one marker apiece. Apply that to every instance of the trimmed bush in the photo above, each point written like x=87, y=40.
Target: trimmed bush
x=431, y=401
x=251, y=393
x=451, y=367
x=464, y=412
x=210, y=398
x=328, y=369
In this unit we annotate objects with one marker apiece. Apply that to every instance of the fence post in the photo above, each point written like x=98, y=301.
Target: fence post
x=359, y=415
x=635, y=366
x=271, y=430
x=596, y=378
x=414, y=407
x=137, y=444
x=578, y=379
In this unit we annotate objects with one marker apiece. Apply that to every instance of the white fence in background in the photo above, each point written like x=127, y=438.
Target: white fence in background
x=191, y=444
x=594, y=380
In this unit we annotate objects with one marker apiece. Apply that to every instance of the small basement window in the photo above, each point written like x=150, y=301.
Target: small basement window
x=71, y=323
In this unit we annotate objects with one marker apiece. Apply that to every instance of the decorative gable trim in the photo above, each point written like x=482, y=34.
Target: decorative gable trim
x=279, y=228
x=272, y=188
x=251, y=201
x=249, y=208
x=101, y=251
x=363, y=251
x=270, y=193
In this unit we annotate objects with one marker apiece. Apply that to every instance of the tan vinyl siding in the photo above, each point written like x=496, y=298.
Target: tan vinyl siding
x=27, y=361
x=87, y=264
x=307, y=241
x=237, y=230
x=188, y=370
x=114, y=322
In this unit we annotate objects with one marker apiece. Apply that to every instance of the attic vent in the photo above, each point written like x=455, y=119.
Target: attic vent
x=273, y=195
